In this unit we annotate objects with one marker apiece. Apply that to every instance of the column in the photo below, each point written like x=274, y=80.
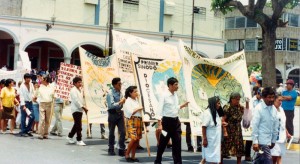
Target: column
x=16, y=55
x=67, y=60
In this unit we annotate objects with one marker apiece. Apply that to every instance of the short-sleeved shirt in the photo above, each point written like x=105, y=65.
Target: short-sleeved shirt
x=289, y=105
x=8, y=97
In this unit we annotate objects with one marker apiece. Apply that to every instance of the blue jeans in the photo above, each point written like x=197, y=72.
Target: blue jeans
x=26, y=128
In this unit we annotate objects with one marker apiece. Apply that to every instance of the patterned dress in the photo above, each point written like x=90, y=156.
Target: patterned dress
x=233, y=144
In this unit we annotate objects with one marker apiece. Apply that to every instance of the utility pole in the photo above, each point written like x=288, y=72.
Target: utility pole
x=192, y=37
x=111, y=21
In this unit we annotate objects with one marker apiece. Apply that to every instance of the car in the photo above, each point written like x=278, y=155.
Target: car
x=298, y=98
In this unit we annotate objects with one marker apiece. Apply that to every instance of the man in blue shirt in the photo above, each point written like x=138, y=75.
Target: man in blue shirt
x=264, y=127
x=115, y=101
x=289, y=97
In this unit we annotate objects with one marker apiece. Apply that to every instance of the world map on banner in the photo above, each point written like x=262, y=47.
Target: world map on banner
x=153, y=75
x=97, y=76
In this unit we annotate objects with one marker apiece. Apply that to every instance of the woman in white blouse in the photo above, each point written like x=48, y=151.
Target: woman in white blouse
x=211, y=131
x=45, y=94
x=279, y=149
x=132, y=111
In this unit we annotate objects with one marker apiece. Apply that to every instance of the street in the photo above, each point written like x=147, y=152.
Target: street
x=30, y=150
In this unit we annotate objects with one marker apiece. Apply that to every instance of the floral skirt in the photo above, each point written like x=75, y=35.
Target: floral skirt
x=134, y=127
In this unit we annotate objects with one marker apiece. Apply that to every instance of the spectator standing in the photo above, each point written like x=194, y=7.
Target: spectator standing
x=35, y=107
x=289, y=97
x=58, y=109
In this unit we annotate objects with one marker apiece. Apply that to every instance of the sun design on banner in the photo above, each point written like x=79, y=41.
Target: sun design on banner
x=164, y=71
x=208, y=81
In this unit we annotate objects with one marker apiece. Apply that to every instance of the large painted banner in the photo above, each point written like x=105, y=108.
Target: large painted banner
x=65, y=77
x=205, y=78
x=154, y=63
x=97, y=74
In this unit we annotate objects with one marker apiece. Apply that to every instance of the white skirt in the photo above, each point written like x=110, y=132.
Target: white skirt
x=278, y=149
x=212, y=153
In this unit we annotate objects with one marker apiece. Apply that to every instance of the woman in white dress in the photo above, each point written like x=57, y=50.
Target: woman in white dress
x=279, y=149
x=212, y=131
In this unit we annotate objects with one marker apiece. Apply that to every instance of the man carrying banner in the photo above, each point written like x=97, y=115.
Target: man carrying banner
x=168, y=122
x=115, y=101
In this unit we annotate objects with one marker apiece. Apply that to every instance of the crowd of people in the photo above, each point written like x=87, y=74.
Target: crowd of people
x=29, y=107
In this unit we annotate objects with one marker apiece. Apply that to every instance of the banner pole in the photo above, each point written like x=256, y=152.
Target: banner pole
x=142, y=111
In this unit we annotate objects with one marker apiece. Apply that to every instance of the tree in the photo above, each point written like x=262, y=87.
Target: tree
x=268, y=24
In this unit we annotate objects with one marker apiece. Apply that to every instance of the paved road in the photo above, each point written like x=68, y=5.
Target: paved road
x=30, y=150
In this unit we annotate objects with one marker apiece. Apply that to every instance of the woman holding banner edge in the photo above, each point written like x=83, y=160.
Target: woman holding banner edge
x=132, y=111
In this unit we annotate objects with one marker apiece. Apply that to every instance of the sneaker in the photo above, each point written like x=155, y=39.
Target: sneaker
x=70, y=140
x=103, y=136
x=80, y=143
x=52, y=133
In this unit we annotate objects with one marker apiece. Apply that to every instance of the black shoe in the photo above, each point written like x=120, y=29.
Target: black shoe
x=135, y=160
x=190, y=149
x=199, y=149
x=29, y=134
x=111, y=152
x=140, y=147
x=21, y=135
x=121, y=153
x=155, y=162
x=129, y=160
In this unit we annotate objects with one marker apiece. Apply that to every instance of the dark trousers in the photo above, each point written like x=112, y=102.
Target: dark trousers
x=248, y=147
x=289, y=114
x=77, y=127
x=25, y=128
x=116, y=119
x=188, y=136
x=173, y=128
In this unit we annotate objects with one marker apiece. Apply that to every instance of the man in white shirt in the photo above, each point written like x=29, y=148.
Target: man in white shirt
x=26, y=95
x=77, y=107
x=168, y=109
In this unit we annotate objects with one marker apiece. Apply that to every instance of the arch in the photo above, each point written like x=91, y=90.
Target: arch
x=279, y=78
x=59, y=44
x=219, y=57
x=202, y=54
x=85, y=43
x=14, y=37
x=294, y=74
x=291, y=69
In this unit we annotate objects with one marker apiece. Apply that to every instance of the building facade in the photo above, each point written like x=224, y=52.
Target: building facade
x=51, y=30
x=242, y=33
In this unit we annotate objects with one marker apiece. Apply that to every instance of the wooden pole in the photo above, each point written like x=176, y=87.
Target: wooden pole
x=142, y=111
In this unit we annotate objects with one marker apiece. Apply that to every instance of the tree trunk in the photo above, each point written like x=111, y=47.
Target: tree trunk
x=268, y=55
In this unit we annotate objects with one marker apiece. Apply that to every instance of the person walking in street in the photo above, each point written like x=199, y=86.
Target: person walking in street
x=115, y=101
x=169, y=123
x=26, y=98
x=265, y=127
x=45, y=95
x=279, y=149
x=256, y=99
x=212, y=131
x=77, y=108
x=58, y=109
x=289, y=97
x=233, y=143
x=7, y=104
x=36, y=110
x=132, y=111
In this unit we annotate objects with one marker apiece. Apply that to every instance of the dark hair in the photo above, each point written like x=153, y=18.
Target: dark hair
x=234, y=95
x=115, y=80
x=259, y=82
x=213, y=109
x=34, y=82
x=47, y=78
x=8, y=81
x=2, y=81
x=129, y=90
x=172, y=81
x=254, y=90
x=76, y=80
x=267, y=91
x=27, y=75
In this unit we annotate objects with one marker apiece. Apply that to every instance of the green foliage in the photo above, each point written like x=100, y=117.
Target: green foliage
x=292, y=4
x=254, y=68
x=220, y=5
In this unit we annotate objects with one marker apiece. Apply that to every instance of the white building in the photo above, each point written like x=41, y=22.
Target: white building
x=51, y=30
